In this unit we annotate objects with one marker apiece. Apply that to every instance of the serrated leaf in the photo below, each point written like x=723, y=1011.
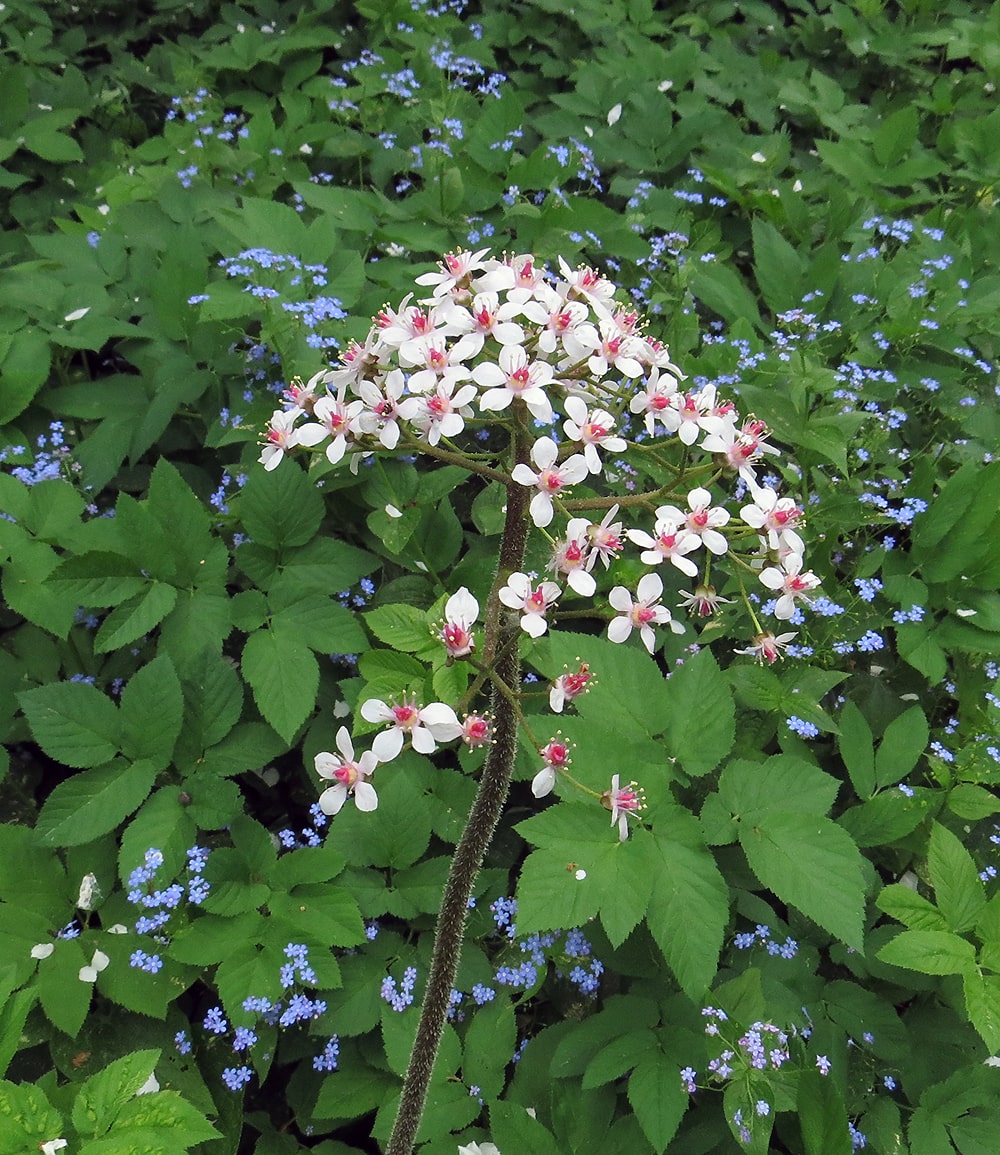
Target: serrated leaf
x=904, y=740
x=688, y=903
x=931, y=952
x=403, y=627
x=104, y=1094
x=618, y=1057
x=151, y=711
x=857, y=748
x=489, y=1042
x=812, y=864
x=752, y=788
x=657, y=1098
x=94, y=802
x=136, y=617
x=73, y=722
x=982, y=1002
x=822, y=1115
x=281, y=508
x=958, y=890
x=99, y=578
x=65, y=999
x=284, y=677
x=515, y=1130
x=697, y=692
x=910, y=908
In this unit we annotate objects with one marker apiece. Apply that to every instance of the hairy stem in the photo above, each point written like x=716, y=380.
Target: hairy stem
x=502, y=652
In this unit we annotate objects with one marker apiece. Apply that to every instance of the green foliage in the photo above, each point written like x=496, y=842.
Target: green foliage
x=802, y=199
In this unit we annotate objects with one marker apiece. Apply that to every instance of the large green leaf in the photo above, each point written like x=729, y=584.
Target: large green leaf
x=657, y=1098
x=284, y=676
x=931, y=952
x=73, y=722
x=152, y=708
x=90, y=804
x=699, y=725
x=810, y=863
x=957, y=887
x=280, y=508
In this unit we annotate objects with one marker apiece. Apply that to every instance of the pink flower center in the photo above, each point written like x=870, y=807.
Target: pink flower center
x=526, y=274
x=454, y=264
x=698, y=519
x=406, y=717
x=347, y=774
x=594, y=432
x=438, y=405
x=519, y=378
x=556, y=754
x=642, y=614
x=659, y=401
x=436, y=359
x=535, y=602
x=573, y=553
x=628, y=800
x=550, y=481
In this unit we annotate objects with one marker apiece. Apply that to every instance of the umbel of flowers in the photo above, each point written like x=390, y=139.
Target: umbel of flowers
x=548, y=383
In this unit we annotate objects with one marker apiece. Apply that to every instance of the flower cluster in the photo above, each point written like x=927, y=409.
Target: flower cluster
x=498, y=338
x=159, y=903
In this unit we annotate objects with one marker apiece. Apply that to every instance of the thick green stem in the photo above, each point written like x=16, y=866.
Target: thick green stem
x=502, y=651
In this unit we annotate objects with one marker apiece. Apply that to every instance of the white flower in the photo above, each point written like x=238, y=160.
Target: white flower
x=439, y=414
x=550, y=478
x=656, y=401
x=703, y=520
x=460, y=611
x=98, y=963
x=593, y=429
x=641, y=614
x=515, y=375
x=572, y=558
x=455, y=267
x=776, y=518
x=426, y=726
x=351, y=776
x=281, y=436
x=533, y=603
x=793, y=583
x=671, y=543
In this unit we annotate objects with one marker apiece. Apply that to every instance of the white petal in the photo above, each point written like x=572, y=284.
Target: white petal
x=387, y=745
x=331, y=801
x=541, y=509
x=543, y=782
x=534, y=625
x=88, y=975
x=621, y=599
x=650, y=587
x=326, y=764
x=100, y=961
x=77, y=314
x=461, y=607
x=365, y=797
x=43, y=949
x=614, y=115
x=619, y=629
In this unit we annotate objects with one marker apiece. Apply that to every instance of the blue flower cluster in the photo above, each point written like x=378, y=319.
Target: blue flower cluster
x=144, y=892
x=402, y=997
x=761, y=934
x=299, y=1008
x=50, y=458
x=568, y=951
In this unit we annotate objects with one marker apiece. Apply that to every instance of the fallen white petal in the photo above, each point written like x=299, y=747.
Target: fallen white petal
x=43, y=949
x=614, y=115
x=392, y=511
x=77, y=314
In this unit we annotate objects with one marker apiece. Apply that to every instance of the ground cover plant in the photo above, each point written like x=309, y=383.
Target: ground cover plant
x=580, y=418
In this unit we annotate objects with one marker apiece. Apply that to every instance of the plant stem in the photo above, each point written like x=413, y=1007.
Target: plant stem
x=500, y=650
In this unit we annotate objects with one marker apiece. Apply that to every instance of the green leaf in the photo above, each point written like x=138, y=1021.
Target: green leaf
x=904, y=740
x=957, y=887
x=812, y=864
x=23, y=371
x=896, y=136
x=26, y=589
x=151, y=711
x=64, y=997
x=883, y=819
x=73, y=722
x=162, y=1120
x=723, y=291
x=404, y=627
x=28, y=1118
x=618, y=1057
x=698, y=690
x=281, y=508
x=971, y=802
x=92, y=803
x=931, y=952
x=284, y=677
x=689, y=902
x=14, y=1009
x=856, y=747
x=750, y=789
x=99, y=578
x=822, y=1116
x=513, y=1129
x=777, y=266
x=103, y=1095
x=910, y=908
x=489, y=1042
x=136, y=617
x=313, y=619
x=982, y=1002
x=657, y=1098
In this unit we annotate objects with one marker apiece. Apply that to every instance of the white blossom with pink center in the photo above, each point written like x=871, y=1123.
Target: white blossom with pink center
x=656, y=401
x=515, y=375
x=606, y=539
x=775, y=518
x=593, y=428
x=623, y=801
x=460, y=612
x=380, y=416
x=335, y=417
x=437, y=361
x=425, y=726
x=518, y=276
x=350, y=775
x=671, y=543
x=456, y=268
x=740, y=449
x=589, y=285
x=551, y=480
x=616, y=352
x=487, y=318
x=439, y=413
x=642, y=614
x=767, y=647
x=703, y=520
x=533, y=601
x=571, y=558
x=282, y=436
x=560, y=321
x=791, y=581
x=569, y=686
